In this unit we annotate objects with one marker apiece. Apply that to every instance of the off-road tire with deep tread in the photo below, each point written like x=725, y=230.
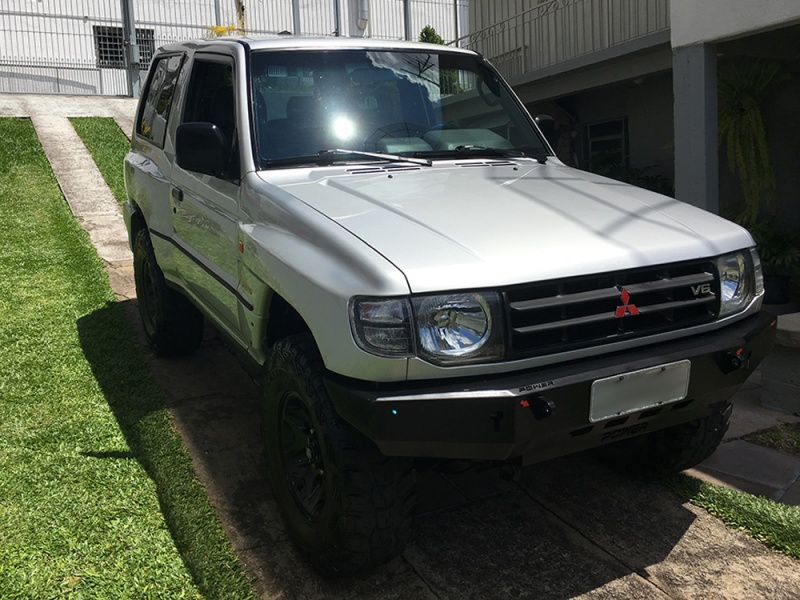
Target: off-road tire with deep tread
x=673, y=449
x=173, y=325
x=363, y=517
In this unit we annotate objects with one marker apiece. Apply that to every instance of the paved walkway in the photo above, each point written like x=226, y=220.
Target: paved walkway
x=749, y=467
x=570, y=528
x=30, y=105
x=83, y=186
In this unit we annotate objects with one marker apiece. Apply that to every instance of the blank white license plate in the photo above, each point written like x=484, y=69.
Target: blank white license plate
x=639, y=390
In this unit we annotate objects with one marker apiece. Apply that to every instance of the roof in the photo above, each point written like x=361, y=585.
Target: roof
x=314, y=43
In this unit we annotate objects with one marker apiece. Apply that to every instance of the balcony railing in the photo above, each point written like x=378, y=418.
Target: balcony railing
x=559, y=30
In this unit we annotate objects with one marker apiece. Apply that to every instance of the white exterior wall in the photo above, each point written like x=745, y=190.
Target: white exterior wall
x=706, y=21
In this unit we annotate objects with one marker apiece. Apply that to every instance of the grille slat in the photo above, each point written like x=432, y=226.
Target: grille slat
x=561, y=300
x=565, y=324
x=568, y=314
x=664, y=284
x=656, y=308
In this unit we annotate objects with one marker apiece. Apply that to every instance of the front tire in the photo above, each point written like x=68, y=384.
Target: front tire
x=346, y=507
x=172, y=324
x=673, y=449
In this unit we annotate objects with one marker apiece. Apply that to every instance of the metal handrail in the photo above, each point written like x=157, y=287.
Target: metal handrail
x=540, y=9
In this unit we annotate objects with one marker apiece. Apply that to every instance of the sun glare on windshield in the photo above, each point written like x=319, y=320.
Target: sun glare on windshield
x=343, y=128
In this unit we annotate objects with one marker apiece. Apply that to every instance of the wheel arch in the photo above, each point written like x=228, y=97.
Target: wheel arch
x=137, y=221
x=282, y=321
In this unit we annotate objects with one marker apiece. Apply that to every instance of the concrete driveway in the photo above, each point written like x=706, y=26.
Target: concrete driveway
x=571, y=528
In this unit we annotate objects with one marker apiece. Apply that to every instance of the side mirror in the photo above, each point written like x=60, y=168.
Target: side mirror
x=547, y=126
x=202, y=148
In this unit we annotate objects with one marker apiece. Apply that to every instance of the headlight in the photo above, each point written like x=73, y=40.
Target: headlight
x=740, y=280
x=459, y=328
x=445, y=329
x=758, y=271
x=382, y=326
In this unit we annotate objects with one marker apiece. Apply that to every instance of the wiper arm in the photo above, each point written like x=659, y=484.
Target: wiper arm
x=330, y=156
x=487, y=150
x=541, y=158
x=379, y=155
x=477, y=150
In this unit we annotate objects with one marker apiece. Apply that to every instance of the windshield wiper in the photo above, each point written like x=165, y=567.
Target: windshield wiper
x=379, y=155
x=540, y=157
x=332, y=155
x=477, y=150
x=488, y=150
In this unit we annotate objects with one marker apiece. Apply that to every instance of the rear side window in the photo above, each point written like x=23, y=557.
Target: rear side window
x=158, y=98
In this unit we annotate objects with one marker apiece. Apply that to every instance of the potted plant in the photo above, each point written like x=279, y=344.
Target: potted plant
x=742, y=92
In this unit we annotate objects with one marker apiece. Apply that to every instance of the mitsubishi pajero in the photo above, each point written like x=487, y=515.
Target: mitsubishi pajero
x=383, y=231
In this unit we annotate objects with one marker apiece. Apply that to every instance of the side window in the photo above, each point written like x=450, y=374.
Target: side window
x=158, y=99
x=211, y=100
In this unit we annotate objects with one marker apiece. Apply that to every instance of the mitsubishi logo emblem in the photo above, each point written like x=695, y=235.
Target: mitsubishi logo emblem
x=627, y=308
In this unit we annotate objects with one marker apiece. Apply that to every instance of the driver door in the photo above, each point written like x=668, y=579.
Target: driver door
x=205, y=207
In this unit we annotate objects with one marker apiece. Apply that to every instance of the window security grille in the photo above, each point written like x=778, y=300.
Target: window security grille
x=110, y=50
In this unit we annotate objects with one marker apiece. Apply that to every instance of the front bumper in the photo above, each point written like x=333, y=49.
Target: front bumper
x=544, y=413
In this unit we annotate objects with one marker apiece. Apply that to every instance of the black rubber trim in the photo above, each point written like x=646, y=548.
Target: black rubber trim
x=216, y=277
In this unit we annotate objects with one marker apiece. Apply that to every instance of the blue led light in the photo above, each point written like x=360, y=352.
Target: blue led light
x=394, y=412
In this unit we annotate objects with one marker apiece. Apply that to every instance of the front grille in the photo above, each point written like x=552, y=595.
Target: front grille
x=568, y=314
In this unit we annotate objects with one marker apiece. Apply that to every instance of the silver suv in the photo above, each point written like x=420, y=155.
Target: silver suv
x=383, y=230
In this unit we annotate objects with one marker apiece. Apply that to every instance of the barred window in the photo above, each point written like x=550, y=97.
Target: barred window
x=605, y=147
x=110, y=51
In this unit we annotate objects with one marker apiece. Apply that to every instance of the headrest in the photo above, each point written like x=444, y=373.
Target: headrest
x=300, y=108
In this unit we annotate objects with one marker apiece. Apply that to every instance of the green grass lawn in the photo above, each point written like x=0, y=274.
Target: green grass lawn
x=784, y=437
x=777, y=525
x=108, y=145
x=98, y=498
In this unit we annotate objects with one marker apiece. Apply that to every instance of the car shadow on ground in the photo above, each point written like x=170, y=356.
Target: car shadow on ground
x=568, y=527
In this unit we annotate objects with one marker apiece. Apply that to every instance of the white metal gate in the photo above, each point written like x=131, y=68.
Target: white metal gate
x=80, y=46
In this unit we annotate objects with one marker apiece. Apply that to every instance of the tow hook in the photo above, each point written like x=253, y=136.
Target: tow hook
x=733, y=361
x=737, y=362
x=540, y=407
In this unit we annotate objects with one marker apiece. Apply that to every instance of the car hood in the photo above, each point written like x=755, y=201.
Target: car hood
x=482, y=224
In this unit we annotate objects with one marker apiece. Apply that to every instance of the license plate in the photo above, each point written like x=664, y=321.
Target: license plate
x=639, y=390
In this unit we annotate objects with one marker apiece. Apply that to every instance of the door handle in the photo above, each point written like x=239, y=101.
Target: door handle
x=177, y=198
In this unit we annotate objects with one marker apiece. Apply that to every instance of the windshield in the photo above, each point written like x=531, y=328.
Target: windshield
x=429, y=105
